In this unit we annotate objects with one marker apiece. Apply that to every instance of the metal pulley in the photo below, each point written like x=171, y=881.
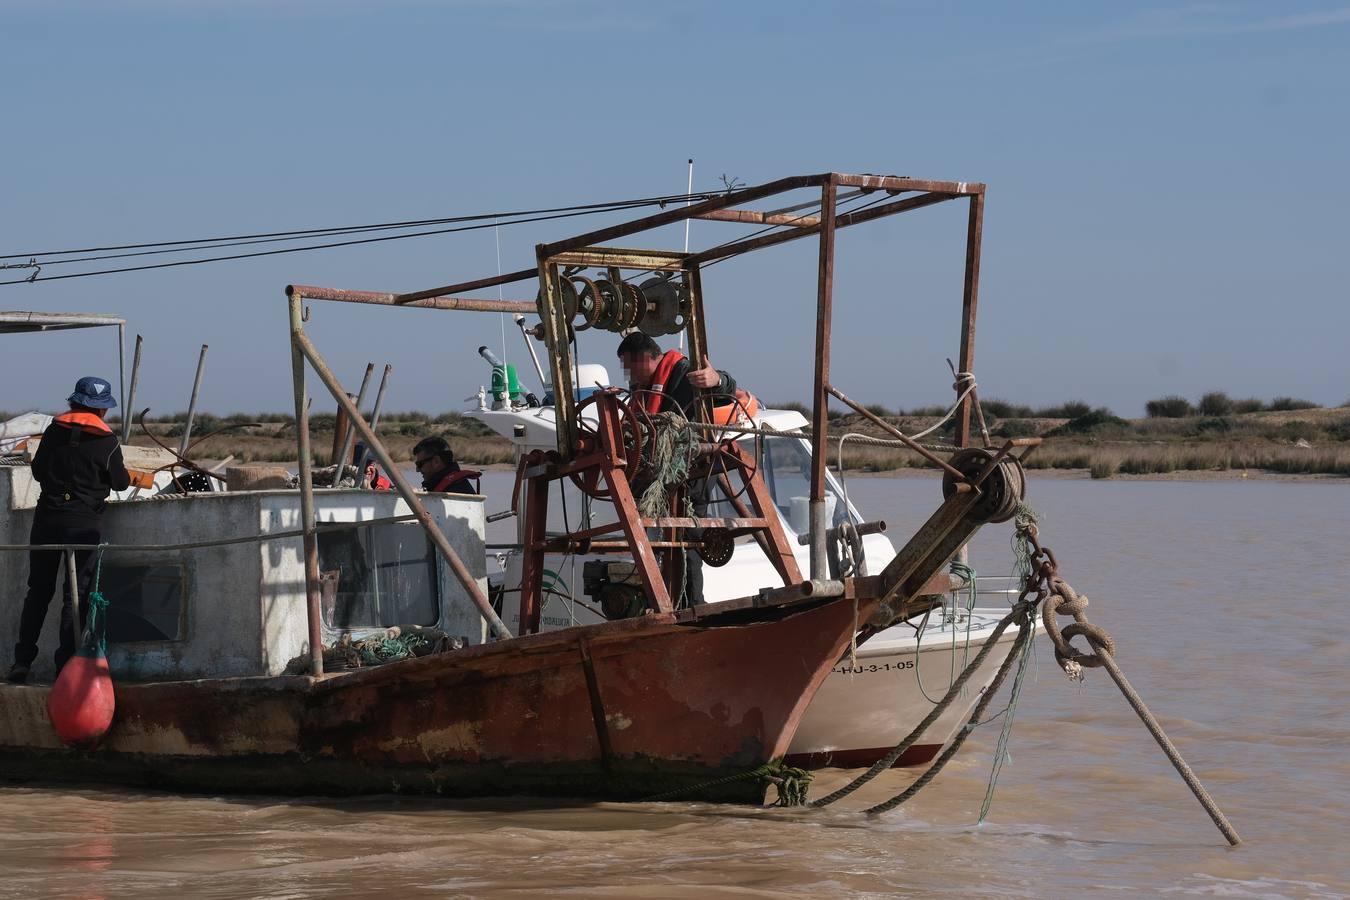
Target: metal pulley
x=655, y=307
x=667, y=306
x=1000, y=493
x=588, y=302
x=567, y=296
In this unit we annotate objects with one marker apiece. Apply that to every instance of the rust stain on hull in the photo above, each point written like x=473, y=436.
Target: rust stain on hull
x=682, y=704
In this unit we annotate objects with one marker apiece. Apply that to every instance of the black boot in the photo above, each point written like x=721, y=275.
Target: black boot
x=18, y=674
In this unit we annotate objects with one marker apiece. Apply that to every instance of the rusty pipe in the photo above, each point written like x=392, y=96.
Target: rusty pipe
x=309, y=540
x=862, y=528
x=344, y=452
x=131, y=392
x=73, y=586
x=434, y=299
x=899, y=435
x=374, y=418
x=192, y=402
x=814, y=587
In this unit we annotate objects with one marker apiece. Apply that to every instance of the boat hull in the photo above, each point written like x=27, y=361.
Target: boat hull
x=870, y=704
x=623, y=710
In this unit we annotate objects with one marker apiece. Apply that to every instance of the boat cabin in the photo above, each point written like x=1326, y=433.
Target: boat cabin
x=238, y=609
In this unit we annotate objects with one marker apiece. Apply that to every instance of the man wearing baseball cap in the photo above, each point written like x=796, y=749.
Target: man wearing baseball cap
x=78, y=463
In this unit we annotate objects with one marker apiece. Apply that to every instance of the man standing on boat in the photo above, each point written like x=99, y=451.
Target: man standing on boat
x=435, y=462
x=78, y=463
x=666, y=382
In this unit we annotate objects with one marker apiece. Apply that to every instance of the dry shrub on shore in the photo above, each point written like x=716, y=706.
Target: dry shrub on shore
x=1105, y=461
x=1157, y=460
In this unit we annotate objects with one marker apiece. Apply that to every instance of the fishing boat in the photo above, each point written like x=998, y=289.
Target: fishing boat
x=871, y=699
x=235, y=603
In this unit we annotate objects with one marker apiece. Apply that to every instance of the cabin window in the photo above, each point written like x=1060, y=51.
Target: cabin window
x=786, y=466
x=377, y=576
x=145, y=603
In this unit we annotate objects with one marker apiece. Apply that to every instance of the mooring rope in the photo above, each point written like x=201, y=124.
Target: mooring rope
x=1022, y=610
x=792, y=784
x=1060, y=599
x=1024, y=631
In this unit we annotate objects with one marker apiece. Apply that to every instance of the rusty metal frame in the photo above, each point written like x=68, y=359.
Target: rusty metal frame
x=589, y=249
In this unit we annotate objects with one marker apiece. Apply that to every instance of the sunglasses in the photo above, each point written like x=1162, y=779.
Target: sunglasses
x=419, y=463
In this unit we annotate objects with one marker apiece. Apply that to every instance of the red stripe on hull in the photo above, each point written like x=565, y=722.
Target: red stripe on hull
x=916, y=755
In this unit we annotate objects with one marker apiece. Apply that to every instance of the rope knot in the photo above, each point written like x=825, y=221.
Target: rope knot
x=1063, y=600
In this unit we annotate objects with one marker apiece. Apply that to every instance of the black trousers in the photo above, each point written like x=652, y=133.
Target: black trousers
x=693, y=571
x=44, y=567
x=693, y=563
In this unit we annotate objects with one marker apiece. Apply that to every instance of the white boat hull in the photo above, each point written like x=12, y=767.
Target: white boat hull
x=869, y=704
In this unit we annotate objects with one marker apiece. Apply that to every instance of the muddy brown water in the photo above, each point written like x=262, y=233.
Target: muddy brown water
x=1227, y=600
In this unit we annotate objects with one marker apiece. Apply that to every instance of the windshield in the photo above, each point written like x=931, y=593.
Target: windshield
x=786, y=468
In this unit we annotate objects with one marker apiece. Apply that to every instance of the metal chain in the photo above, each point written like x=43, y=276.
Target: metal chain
x=1058, y=598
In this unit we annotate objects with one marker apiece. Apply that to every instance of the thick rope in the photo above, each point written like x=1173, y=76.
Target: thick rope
x=1021, y=610
x=1024, y=631
x=792, y=784
x=1061, y=599
x=672, y=451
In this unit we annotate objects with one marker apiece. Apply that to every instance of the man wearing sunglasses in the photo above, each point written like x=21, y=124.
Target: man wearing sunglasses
x=435, y=462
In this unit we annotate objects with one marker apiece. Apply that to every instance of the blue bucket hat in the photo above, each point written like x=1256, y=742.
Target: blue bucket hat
x=94, y=393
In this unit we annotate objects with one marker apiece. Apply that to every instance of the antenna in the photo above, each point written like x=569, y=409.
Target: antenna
x=497, y=238
x=689, y=190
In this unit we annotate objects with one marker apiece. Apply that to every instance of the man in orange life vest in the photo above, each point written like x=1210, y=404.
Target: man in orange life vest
x=78, y=463
x=662, y=382
x=435, y=462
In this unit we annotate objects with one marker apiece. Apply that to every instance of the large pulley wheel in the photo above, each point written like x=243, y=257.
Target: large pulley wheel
x=666, y=314
x=588, y=302
x=1000, y=493
x=633, y=432
x=567, y=296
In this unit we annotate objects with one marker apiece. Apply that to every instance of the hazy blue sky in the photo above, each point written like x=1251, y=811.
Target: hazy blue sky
x=1166, y=207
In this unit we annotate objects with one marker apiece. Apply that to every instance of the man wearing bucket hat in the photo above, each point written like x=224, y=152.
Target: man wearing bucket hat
x=78, y=463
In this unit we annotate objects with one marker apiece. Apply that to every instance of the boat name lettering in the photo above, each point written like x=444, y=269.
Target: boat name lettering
x=875, y=667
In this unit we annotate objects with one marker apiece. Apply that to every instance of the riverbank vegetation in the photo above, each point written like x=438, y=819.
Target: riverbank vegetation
x=270, y=437
x=1213, y=433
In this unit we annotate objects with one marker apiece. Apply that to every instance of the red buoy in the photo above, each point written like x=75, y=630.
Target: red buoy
x=81, y=703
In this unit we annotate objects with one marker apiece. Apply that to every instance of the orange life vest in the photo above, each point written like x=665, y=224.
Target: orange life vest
x=87, y=421
x=655, y=393
x=729, y=413
x=724, y=413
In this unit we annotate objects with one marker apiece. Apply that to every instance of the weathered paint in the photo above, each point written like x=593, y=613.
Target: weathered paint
x=684, y=703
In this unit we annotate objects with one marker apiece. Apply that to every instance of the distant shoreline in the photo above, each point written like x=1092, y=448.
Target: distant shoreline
x=1086, y=475
x=1298, y=445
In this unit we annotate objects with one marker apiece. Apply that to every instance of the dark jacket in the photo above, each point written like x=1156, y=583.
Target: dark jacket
x=680, y=392
x=78, y=464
